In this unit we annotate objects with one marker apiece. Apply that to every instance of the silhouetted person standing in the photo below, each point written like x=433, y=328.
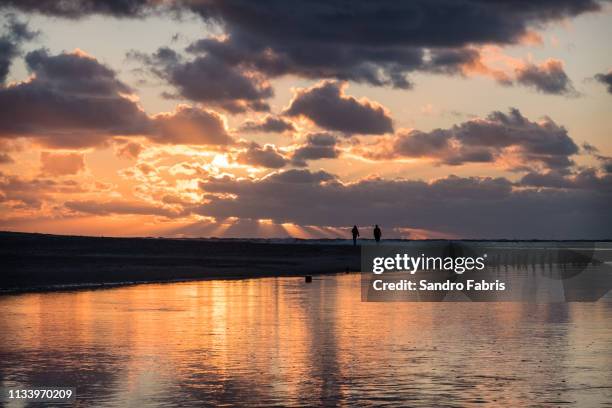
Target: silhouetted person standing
x=377, y=233
x=355, y=232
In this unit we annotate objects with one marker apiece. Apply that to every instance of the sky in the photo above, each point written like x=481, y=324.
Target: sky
x=191, y=118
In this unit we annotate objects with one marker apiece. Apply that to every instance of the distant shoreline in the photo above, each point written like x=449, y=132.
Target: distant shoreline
x=291, y=240
x=44, y=262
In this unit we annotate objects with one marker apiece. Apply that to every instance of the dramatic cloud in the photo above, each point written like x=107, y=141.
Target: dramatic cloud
x=510, y=137
x=319, y=39
x=605, y=79
x=269, y=124
x=268, y=156
x=189, y=125
x=488, y=207
x=72, y=100
x=317, y=146
x=18, y=192
x=118, y=207
x=15, y=34
x=585, y=179
x=419, y=23
x=328, y=107
x=329, y=60
x=81, y=8
x=210, y=80
x=548, y=77
x=61, y=164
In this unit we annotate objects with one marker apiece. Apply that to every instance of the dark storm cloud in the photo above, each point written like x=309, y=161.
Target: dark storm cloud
x=378, y=43
x=71, y=100
x=450, y=60
x=267, y=156
x=328, y=107
x=470, y=207
x=605, y=79
x=76, y=73
x=434, y=23
x=269, y=124
x=374, y=42
x=543, y=141
x=74, y=101
x=317, y=146
x=354, y=62
x=82, y=8
x=300, y=177
x=486, y=140
x=14, y=34
x=422, y=144
x=584, y=179
x=548, y=77
x=210, y=80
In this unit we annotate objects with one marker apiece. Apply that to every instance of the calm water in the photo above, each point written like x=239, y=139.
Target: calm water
x=283, y=342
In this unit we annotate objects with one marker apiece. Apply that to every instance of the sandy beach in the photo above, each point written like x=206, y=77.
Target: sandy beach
x=40, y=262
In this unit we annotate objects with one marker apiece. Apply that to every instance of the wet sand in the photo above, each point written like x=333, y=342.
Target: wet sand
x=40, y=262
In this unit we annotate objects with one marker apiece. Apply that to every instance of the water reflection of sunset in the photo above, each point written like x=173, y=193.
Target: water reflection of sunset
x=278, y=340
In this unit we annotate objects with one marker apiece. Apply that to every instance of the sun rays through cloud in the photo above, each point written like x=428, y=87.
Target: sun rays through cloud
x=233, y=127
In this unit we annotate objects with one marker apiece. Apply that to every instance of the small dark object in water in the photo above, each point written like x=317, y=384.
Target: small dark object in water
x=308, y=279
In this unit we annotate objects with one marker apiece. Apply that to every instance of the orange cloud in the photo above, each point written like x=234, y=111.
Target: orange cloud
x=128, y=150
x=547, y=77
x=191, y=125
x=61, y=164
x=531, y=38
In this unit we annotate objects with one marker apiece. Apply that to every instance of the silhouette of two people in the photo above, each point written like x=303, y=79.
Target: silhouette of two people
x=377, y=234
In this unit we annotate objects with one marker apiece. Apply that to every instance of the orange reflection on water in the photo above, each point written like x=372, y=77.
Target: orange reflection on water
x=281, y=341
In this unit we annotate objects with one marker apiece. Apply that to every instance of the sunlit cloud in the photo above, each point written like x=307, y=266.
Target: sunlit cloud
x=547, y=76
x=254, y=129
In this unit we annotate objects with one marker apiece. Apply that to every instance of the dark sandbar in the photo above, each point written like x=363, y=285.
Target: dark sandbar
x=40, y=262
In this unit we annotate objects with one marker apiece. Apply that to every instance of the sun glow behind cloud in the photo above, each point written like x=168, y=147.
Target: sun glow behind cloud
x=148, y=170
